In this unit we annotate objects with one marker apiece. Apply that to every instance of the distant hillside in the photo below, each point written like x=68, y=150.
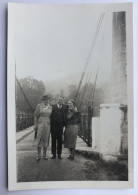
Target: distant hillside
x=55, y=86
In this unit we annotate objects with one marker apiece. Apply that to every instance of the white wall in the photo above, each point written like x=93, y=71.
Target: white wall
x=110, y=128
x=95, y=132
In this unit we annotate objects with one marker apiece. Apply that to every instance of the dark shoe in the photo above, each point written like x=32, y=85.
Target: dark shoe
x=59, y=157
x=45, y=158
x=53, y=157
x=37, y=159
x=69, y=157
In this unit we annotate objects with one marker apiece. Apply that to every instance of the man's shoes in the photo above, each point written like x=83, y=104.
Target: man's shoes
x=38, y=158
x=59, y=156
x=53, y=157
x=45, y=158
x=72, y=158
x=69, y=157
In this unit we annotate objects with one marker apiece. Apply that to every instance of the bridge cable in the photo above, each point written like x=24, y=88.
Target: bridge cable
x=26, y=99
x=19, y=84
x=93, y=89
x=94, y=86
x=90, y=52
x=85, y=88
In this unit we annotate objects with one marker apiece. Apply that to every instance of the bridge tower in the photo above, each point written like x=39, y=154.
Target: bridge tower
x=112, y=124
x=119, y=61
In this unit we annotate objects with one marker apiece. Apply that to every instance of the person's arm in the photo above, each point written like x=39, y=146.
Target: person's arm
x=65, y=110
x=76, y=109
x=36, y=116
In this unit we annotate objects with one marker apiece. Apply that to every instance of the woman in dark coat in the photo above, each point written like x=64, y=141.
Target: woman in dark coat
x=71, y=130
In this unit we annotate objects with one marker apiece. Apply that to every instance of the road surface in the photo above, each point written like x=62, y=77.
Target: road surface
x=30, y=170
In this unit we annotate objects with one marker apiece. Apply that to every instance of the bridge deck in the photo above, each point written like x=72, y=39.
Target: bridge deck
x=80, y=145
x=30, y=170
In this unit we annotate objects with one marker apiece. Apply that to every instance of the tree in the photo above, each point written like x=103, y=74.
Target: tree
x=72, y=91
x=62, y=92
x=33, y=90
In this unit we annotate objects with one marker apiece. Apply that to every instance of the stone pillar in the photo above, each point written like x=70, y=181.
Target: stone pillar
x=124, y=131
x=111, y=117
x=119, y=60
x=113, y=138
x=96, y=133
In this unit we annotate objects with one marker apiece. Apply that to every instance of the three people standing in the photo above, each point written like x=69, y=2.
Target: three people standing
x=54, y=118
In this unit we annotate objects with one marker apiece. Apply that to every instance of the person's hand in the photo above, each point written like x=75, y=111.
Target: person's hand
x=71, y=107
x=75, y=109
x=35, y=127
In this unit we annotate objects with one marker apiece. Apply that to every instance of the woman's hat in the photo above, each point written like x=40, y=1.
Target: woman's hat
x=45, y=97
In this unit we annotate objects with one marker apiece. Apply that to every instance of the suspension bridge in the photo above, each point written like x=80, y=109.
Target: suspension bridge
x=85, y=99
x=25, y=120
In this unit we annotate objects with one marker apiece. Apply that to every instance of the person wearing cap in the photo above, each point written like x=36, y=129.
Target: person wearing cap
x=42, y=126
x=57, y=123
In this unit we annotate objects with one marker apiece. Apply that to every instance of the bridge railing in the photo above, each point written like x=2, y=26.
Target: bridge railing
x=24, y=120
x=85, y=129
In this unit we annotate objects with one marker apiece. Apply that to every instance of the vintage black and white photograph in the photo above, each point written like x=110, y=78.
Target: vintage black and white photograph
x=70, y=71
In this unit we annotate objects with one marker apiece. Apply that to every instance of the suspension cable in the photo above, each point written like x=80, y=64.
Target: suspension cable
x=19, y=84
x=85, y=89
x=90, y=53
x=92, y=93
x=93, y=88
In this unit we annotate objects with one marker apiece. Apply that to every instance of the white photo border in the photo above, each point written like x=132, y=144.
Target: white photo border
x=11, y=105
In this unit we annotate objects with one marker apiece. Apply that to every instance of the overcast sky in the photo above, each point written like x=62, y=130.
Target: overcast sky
x=54, y=41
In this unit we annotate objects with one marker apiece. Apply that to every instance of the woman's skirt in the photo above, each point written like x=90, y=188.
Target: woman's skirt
x=70, y=136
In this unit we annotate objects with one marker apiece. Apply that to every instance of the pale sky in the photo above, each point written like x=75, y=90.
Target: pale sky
x=54, y=41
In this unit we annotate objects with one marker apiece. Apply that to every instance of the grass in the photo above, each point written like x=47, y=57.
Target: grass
x=98, y=169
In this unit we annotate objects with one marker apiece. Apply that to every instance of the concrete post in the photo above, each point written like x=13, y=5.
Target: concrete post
x=111, y=117
x=96, y=133
x=119, y=60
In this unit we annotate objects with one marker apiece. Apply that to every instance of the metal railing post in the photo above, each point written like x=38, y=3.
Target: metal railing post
x=23, y=121
x=90, y=114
